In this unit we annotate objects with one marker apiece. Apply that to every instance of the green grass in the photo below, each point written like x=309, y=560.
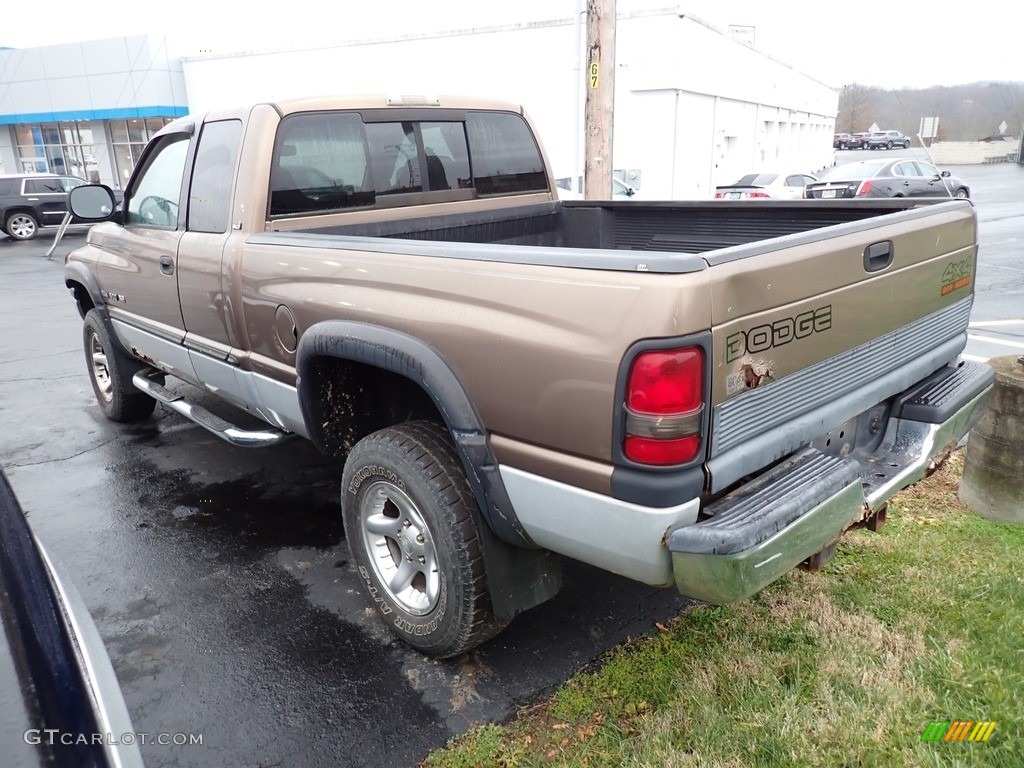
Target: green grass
x=921, y=621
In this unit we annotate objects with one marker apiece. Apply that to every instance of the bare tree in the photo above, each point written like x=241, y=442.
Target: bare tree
x=856, y=108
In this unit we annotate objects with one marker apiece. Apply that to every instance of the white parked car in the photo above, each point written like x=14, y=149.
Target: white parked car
x=766, y=186
x=620, y=189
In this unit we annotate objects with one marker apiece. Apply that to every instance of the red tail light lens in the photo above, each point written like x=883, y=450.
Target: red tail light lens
x=864, y=188
x=719, y=195
x=660, y=453
x=758, y=194
x=664, y=406
x=666, y=381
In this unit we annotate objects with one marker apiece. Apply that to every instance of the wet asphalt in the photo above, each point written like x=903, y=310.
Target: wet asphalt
x=219, y=579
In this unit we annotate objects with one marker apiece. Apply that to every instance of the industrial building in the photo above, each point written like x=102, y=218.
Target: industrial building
x=694, y=107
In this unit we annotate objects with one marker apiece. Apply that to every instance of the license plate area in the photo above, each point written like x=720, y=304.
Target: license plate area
x=861, y=433
x=828, y=193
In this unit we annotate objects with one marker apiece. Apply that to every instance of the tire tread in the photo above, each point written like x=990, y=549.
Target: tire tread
x=428, y=447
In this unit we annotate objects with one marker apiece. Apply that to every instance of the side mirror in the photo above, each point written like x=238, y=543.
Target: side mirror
x=92, y=202
x=945, y=173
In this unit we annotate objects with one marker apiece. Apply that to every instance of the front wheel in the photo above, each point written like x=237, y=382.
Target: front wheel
x=411, y=522
x=21, y=226
x=110, y=372
x=961, y=193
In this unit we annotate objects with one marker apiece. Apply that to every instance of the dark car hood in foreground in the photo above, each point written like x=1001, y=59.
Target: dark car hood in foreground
x=54, y=671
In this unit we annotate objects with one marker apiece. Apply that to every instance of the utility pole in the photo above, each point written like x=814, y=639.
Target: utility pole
x=600, y=102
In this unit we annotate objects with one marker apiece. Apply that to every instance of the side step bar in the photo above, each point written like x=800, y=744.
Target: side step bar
x=225, y=430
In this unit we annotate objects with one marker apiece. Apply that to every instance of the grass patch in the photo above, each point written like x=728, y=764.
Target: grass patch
x=922, y=621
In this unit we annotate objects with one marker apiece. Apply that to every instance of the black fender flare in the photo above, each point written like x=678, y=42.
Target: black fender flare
x=407, y=356
x=520, y=575
x=78, y=273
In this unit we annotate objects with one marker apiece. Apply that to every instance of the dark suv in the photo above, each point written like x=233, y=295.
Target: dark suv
x=32, y=200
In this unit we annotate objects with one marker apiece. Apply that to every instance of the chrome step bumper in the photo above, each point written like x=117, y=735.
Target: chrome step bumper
x=225, y=430
x=765, y=528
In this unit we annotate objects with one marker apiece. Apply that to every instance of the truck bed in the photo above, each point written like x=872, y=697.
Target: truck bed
x=672, y=226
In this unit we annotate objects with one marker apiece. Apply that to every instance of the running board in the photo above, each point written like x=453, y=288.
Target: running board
x=225, y=430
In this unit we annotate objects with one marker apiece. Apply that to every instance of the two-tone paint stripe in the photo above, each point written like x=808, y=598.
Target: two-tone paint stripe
x=958, y=730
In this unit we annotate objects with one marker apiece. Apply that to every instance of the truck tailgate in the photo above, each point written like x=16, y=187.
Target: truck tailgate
x=808, y=335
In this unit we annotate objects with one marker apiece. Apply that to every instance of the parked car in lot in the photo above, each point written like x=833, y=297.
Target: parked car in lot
x=775, y=186
x=620, y=189
x=904, y=177
x=841, y=140
x=61, y=702
x=32, y=200
x=858, y=140
x=888, y=140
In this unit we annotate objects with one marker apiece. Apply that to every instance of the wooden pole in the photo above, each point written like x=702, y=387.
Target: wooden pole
x=600, y=102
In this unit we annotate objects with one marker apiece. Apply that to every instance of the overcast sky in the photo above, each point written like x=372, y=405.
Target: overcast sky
x=896, y=44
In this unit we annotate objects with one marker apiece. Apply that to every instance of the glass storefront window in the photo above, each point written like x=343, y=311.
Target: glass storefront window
x=119, y=131
x=124, y=163
x=137, y=131
x=71, y=147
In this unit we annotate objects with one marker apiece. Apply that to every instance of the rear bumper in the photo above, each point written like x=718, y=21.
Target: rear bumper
x=767, y=527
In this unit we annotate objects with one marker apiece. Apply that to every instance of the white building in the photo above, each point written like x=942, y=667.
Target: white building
x=694, y=107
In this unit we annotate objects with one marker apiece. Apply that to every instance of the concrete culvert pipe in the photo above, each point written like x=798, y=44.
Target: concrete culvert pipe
x=993, y=481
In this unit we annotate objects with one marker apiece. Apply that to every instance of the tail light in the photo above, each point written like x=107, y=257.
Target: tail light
x=757, y=194
x=719, y=195
x=864, y=188
x=665, y=406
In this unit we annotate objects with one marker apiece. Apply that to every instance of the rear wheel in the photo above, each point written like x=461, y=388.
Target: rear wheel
x=888, y=145
x=21, y=226
x=110, y=372
x=411, y=522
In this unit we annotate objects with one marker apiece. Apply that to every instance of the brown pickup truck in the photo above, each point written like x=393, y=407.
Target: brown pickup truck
x=685, y=393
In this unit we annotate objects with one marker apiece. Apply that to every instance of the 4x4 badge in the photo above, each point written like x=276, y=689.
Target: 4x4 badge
x=956, y=276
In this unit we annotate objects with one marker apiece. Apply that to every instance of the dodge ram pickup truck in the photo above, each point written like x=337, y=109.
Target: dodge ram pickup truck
x=683, y=393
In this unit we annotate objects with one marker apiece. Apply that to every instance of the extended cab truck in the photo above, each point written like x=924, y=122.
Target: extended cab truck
x=697, y=394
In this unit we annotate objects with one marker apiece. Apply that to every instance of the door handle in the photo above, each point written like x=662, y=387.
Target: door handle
x=878, y=256
x=167, y=265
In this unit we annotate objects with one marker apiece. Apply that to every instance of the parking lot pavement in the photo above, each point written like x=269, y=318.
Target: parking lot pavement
x=997, y=320
x=219, y=579
x=220, y=582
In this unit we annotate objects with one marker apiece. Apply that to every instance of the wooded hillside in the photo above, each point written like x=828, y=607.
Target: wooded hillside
x=965, y=112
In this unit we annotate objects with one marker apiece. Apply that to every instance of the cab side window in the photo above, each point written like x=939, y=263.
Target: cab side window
x=209, y=200
x=155, y=195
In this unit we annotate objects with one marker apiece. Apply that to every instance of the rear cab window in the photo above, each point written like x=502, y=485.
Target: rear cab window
x=333, y=161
